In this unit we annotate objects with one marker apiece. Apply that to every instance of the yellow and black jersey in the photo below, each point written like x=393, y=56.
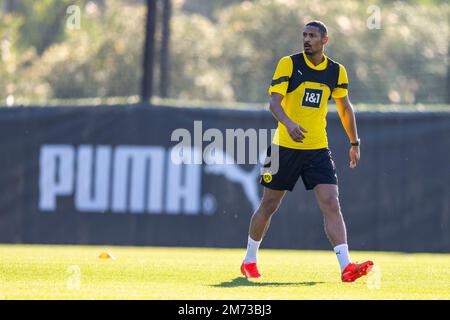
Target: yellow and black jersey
x=306, y=89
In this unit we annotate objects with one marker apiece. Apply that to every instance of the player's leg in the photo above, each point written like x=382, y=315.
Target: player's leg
x=320, y=175
x=328, y=198
x=260, y=220
x=280, y=173
x=259, y=224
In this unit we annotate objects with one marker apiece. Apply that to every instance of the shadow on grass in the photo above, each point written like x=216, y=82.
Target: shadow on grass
x=244, y=282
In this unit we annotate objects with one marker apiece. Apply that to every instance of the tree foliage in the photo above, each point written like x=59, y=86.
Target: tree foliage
x=221, y=50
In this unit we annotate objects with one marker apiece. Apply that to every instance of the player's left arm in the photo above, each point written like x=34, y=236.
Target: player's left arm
x=348, y=119
x=347, y=114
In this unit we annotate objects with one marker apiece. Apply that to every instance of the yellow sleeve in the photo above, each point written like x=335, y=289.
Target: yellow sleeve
x=342, y=88
x=280, y=79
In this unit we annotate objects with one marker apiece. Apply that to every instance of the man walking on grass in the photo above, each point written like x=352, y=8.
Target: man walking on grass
x=300, y=89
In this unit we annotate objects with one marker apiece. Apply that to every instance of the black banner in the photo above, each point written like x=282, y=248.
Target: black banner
x=105, y=175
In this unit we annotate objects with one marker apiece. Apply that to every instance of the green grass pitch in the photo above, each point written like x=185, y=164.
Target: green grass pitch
x=76, y=272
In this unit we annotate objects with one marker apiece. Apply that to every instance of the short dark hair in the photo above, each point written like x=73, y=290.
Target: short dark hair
x=320, y=25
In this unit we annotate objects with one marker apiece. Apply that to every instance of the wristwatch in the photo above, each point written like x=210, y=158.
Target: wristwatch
x=356, y=144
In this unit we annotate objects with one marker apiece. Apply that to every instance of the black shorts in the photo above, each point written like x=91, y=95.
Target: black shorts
x=314, y=166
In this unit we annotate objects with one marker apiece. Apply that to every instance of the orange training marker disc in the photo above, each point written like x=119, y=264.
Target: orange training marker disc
x=106, y=255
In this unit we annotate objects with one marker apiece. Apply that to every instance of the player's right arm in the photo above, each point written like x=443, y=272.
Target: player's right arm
x=294, y=130
x=277, y=91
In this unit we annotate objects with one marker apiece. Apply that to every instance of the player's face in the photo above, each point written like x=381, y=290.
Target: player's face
x=312, y=40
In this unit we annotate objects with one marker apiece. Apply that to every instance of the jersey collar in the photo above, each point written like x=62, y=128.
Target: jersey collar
x=321, y=66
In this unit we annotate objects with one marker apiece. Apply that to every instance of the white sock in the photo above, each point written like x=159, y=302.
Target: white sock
x=252, y=250
x=342, y=255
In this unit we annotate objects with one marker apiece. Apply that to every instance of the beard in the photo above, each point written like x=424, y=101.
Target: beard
x=310, y=52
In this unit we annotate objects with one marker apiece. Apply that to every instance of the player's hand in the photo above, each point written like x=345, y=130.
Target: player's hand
x=295, y=131
x=354, y=156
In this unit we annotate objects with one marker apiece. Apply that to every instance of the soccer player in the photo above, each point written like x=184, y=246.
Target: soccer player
x=300, y=89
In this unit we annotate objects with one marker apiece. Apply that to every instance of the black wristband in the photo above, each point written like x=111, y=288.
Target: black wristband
x=356, y=144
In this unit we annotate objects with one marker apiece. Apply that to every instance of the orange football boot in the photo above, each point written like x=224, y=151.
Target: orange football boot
x=250, y=270
x=356, y=270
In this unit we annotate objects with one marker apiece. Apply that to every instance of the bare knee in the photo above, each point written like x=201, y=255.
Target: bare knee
x=269, y=206
x=330, y=205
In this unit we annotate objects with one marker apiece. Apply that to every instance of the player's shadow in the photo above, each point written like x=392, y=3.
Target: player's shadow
x=244, y=282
